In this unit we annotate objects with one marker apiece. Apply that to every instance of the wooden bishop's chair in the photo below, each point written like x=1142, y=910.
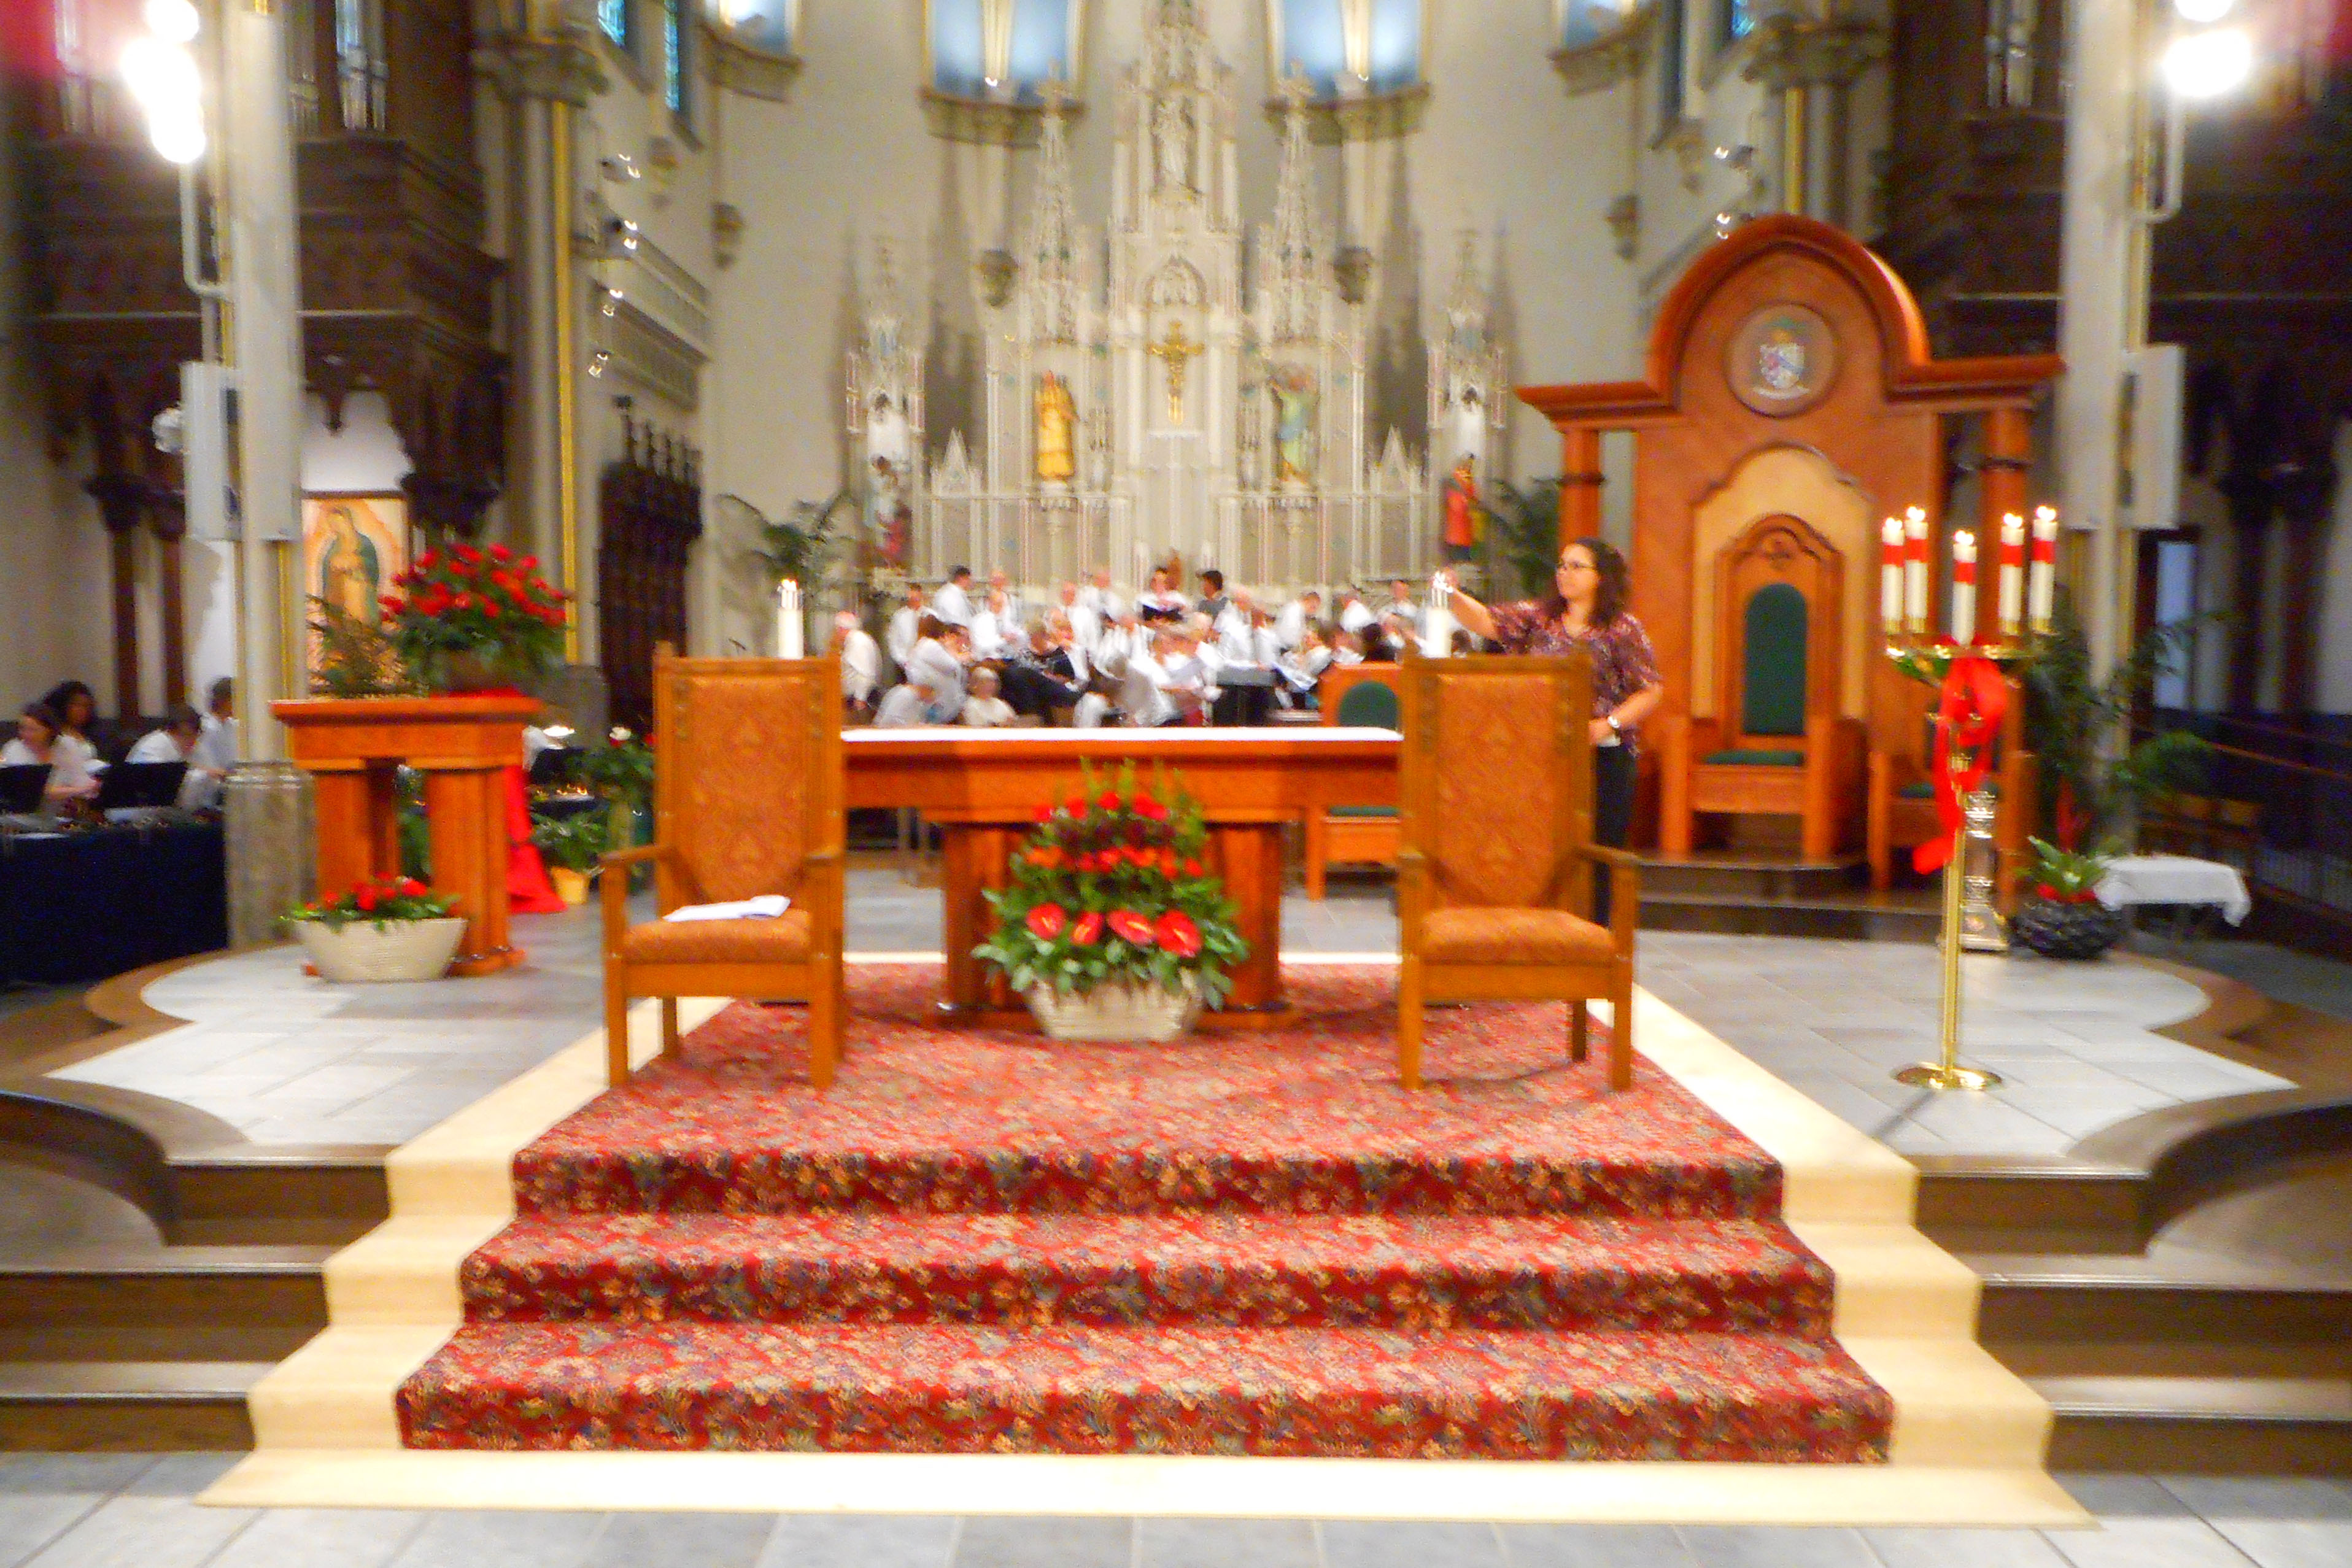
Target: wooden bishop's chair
x=1901, y=811
x=1783, y=747
x=747, y=801
x=1354, y=835
x=1496, y=864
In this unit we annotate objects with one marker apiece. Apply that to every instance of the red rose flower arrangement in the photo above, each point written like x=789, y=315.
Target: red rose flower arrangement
x=1110, y=889
x=387, y=898
x=490, y=603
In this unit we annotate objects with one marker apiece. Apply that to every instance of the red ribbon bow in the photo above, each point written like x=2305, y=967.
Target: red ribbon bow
x=1968, y=718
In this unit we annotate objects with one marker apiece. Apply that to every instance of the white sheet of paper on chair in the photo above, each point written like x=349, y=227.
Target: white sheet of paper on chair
x=767, y=906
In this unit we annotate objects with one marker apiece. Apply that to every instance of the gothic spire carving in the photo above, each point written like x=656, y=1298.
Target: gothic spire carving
x=1290, y=250
x=1055, y=244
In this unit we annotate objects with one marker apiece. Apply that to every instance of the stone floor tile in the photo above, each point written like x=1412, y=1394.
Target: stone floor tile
x=1963, y=1549
x=102, y=1474
x=312, y=1538
x=700, y=1540
x=31, y=1520
x=135, y=1530
x=2217, y=1498
x=1226, y=1544
x=1757, y=1546
x=1378, y=1543
x=1593, y=1546
x=2147, y=1542
x=1006, y=1542
x=501, y=1540
x=859, y=1540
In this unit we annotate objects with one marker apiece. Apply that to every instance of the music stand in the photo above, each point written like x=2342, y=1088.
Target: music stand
x=21, y=785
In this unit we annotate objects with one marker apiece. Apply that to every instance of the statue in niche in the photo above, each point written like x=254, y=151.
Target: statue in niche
x=885, y=430
x=1171, y=135
x=1469, y=422
x=1057, y=428
x=1294, y=424
x=1463, y=512
x=893, y=520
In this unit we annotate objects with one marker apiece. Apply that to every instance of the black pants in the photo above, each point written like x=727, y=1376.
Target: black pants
x=1613, y=773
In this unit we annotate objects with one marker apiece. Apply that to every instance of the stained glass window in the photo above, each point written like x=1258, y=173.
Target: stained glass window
x=673, y=56
x=1671, y=64
x=1735, y=19
x=1375, y=45
x=612, y=15
x=994, y=49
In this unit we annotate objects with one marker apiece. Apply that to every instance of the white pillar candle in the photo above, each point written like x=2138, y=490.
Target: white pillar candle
x=2013, y=572
x=1914, y=570
x=1964, y=587
x=2042, y=584
x=1437, y=629
x=1890, y=576
x=789, y=630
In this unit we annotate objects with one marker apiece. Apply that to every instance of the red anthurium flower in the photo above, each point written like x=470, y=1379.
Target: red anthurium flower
x=1168, y=863
x=500, y=552
x=364, y=896
x=1089, y=930
x=1178, y=933
x=411, y=888
x=1146, y=806
x=1192, y=867
x=426, y=562
x=490, y=608
x=392, y=606
x=1111, y=801
x=2044, y=890
x=1131, y=928
x=1078, y=807
x=1045, y=814
x=1047, y=920
x=468, y=555
x=528, y=563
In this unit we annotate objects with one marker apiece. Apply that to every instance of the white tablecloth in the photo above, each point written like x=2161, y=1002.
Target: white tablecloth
x=2176, y=879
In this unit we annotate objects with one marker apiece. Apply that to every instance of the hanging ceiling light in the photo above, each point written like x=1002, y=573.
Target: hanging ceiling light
x=2204, y=13
x=160, y=71
x=2209, y=63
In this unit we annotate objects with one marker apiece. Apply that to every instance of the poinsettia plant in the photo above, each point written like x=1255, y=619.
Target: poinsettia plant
x=378, y=903
x=2065, y=876
x=489, y=604
x=1111, y=887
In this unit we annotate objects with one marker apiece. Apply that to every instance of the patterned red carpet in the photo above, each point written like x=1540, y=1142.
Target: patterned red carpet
x=1233, y=1245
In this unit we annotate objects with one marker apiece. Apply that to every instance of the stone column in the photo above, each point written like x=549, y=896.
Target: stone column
x=2101, y=249
x=266, y=798
x=121, y=500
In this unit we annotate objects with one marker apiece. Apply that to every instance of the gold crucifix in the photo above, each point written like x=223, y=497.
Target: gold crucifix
x=1175, y=354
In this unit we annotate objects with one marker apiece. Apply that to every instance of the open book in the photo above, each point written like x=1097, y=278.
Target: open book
x=767, y=906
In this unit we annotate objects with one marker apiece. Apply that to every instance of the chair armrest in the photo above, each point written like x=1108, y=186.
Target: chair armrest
x=1602, y=854
x=615, y=891
x=640, y=855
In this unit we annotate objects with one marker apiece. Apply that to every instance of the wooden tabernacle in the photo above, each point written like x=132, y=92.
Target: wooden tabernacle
x=983, y=788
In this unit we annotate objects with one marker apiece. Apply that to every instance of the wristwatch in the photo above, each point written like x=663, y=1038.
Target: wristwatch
x=1610, y=720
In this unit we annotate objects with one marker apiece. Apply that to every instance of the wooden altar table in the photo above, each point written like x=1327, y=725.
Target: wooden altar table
x=463, y=746
x=983, y=788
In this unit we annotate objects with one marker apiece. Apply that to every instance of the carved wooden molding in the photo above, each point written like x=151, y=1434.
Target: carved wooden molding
x=987, y=123
x=739, y=68
x=1375, y=117
x=1791, y=50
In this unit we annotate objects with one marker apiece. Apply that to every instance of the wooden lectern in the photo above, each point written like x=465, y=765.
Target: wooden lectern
x=463, y=746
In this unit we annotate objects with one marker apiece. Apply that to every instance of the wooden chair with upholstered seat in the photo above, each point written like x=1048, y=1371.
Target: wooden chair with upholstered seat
x=1354, y=835
x=747, y=800
x=1781, y=747
x=1496, y=863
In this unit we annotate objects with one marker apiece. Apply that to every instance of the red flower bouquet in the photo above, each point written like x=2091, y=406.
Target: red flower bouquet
x=465, y=616
x=377, y=903
x=1109, y=890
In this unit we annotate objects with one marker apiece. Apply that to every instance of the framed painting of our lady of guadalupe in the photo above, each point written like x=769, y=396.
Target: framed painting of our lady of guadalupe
x=353, y=544
x=1782, y=360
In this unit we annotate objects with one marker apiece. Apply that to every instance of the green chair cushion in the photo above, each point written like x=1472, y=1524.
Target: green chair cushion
x=1772, y=679
x=1369, y=704
x=1923, y=790
x=1752, y=759
x=1362, y=811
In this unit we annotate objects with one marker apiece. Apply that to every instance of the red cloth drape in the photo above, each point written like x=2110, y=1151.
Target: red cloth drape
x=528, y=890
x=1967, y=719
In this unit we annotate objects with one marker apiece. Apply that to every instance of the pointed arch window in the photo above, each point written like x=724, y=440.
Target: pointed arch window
x=1001, y=51
x=1349, y=49
x=613, y=20
x=1582, y=22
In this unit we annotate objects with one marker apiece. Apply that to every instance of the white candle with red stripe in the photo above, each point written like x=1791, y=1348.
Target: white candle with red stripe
x=2013, y=572
x=1914, y=570
x=2042, y=579
x=1890, y=575
x=1964, y=587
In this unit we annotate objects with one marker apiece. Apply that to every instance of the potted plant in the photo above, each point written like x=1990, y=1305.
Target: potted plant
x=474, y=619
x=393, y=928
x=2061, y=917
x=1112, y=930
x=571, y=846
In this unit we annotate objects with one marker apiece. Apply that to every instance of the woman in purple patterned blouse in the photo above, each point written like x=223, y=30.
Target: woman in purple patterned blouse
x=1587, y=609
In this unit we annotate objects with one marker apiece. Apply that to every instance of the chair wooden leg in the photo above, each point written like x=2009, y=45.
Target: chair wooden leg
x=1409, y=1023
x=1316, y=846
x=1621, y=1029
x=825, y=1027
x=1579, y=1029
x=669, y=1026
x=616, y=1029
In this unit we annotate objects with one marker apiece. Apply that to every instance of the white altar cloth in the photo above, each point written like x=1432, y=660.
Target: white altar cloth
x=2176, y=879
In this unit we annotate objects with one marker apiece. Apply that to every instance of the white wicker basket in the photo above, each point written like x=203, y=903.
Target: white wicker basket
x=395, y=950
x=1117, y=1012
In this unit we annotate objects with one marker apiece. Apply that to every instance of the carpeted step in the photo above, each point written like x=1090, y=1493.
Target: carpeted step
x=1415, y=1272
x=1166, y=1389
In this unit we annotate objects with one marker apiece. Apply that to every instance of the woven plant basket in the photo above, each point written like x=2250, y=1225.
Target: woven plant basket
x=1115, y=1012
x=364, y=951
x=2066, y=930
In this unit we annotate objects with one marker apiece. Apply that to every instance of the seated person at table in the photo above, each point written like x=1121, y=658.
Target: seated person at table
x=40, y=736
x=995, y=630
x=936, y=663
x=177, y=742
x=985, y=709
x=905, y=707
x=216, y=752
x=1161, y=602
x=75, y=706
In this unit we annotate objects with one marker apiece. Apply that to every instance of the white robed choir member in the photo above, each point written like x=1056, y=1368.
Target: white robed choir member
x=951, y=603
x=906, y=629
x=903, y=707
x=861, y=660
